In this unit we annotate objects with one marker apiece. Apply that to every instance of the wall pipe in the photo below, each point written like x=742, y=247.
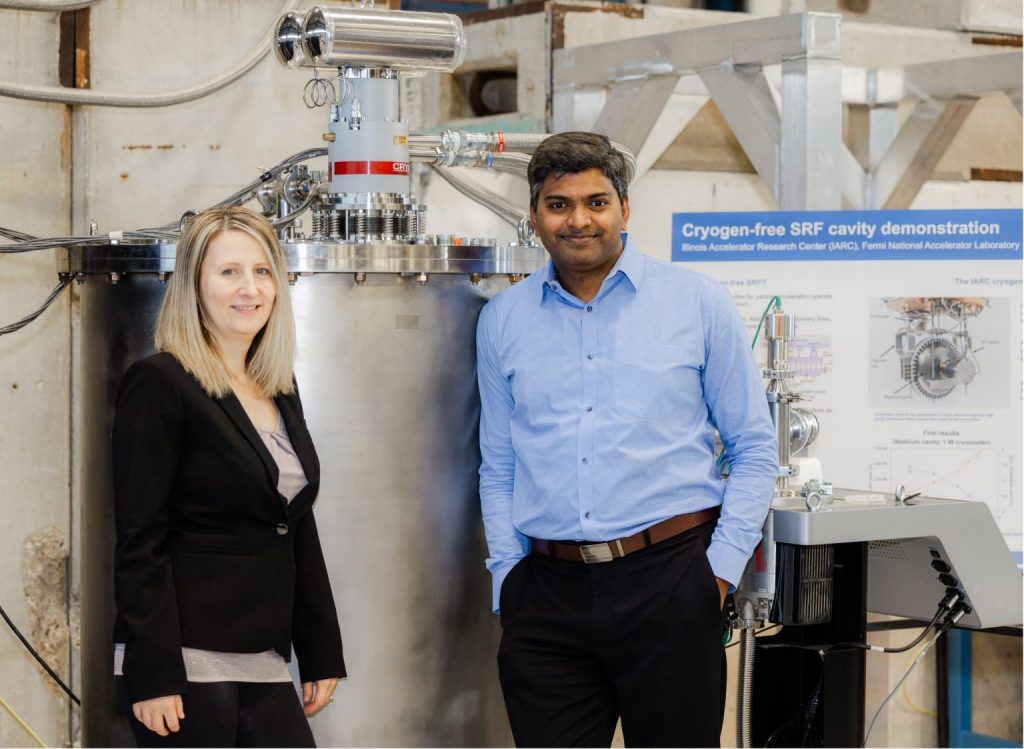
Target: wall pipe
x=88, y=97
x=51, y=6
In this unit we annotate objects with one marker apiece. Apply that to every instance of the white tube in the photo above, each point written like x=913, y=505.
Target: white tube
x=87, y=97
x=51, y=6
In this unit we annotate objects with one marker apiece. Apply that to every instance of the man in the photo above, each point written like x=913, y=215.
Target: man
x=602, y=380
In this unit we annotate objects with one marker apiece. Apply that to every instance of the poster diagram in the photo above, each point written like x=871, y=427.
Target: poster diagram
x=937, y=351
x=810, y=357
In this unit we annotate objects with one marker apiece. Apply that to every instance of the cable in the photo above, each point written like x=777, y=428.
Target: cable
x=21, y=722
x=14, y=234
x=89, y=97
x=914, y=706
x=942, y=630
x=16, y=326
x=244, y=194
x=487, y=198
x=289, y=218
x=840, y=647
x=47, y=243
x=23, y=242
x=39, y=658
x=951, y=604
x=802, y=721
x=756, y=633
x=52, y=6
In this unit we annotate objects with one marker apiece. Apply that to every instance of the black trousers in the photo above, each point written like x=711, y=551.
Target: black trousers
x=228, y=714
x=638, y=638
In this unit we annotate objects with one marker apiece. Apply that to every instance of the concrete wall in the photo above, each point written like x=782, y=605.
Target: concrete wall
x=125, y=168
x=35, y=169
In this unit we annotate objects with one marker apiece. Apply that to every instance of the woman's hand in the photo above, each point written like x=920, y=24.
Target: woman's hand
x=160, y=714
x=317, y=694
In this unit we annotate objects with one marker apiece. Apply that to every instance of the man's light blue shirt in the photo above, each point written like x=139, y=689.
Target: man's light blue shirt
x=598, y=419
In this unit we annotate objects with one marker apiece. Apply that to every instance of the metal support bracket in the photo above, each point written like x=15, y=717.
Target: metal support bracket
x=913, y=155
x=795, y=146
x=887, y=165
x=632, y=107
x=746, y=101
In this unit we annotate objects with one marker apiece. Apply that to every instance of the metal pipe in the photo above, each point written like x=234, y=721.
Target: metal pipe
x=745, y=687
x=47, y=6
x=91, y=97
x=344, y=36
x=779, y=330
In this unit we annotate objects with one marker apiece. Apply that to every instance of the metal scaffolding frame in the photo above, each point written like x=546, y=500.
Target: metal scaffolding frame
x=889, y=163
x=780, y=85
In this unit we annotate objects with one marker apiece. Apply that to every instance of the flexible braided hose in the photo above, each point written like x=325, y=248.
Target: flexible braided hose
x=745, y=688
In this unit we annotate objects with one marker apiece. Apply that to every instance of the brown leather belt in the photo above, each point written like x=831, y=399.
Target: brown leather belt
x=606, y=551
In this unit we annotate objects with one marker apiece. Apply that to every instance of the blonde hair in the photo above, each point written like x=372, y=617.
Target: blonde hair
x=182, y=328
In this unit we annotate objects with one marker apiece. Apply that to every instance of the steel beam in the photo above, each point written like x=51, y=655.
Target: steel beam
x=1015, y=97
x=632, y=107
x=747, y=103
x=762, y=41
x=854, y=180
x=795, y=152
x=870, y=131
x=917, y=149
x=942, y=79
x=812, y=134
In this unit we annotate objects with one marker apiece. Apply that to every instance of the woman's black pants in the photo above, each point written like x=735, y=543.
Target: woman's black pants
x=229, y=713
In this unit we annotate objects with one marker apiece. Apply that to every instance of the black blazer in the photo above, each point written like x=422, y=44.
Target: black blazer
x=208, y=554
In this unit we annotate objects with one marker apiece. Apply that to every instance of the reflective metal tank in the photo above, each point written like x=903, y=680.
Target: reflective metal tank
x=386, y=369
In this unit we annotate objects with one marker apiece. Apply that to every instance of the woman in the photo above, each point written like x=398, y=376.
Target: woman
x=218, y=566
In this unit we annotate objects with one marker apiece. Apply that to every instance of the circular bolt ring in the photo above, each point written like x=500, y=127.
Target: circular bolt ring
x=813, y=501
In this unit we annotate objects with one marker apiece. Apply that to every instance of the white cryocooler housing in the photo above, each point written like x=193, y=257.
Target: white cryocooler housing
x=368, y=195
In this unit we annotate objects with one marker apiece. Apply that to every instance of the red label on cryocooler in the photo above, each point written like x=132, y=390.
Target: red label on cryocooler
x=400, y=168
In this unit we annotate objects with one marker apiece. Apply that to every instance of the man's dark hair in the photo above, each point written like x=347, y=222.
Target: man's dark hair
x=575, y=152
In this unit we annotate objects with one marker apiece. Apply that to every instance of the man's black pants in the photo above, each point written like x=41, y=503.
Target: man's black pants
x=638, y=637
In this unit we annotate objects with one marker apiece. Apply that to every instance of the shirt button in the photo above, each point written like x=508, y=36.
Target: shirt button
x=590, y=309
x=590, y=408
x=590, y=356
x=282, y=529
x=586, y=514
x=585, y=461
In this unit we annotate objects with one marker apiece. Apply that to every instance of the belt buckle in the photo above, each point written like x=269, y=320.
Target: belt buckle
x=594, y=553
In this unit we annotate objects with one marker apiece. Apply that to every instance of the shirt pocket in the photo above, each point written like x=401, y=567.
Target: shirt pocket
x=650, y=380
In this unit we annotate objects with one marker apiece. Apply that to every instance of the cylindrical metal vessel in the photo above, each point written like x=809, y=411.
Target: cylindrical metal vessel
x=345, y=36
x=386, y=368
x=288, y=40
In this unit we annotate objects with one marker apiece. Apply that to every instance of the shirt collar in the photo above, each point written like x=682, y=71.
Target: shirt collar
x=630, y=264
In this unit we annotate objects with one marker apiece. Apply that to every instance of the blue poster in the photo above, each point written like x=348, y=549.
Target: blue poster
x=847, y=235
